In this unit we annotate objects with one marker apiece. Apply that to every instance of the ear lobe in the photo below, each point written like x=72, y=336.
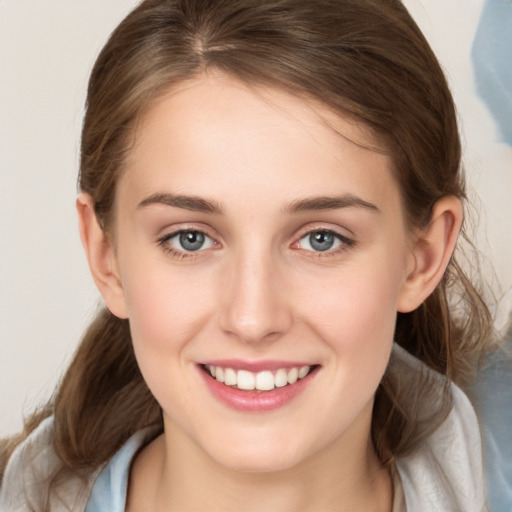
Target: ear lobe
x=100, y=256
x=431, y=253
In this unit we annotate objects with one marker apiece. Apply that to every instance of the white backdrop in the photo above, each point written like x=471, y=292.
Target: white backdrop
x=46, y=295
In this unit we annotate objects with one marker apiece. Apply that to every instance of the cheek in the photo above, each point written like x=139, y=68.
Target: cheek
x=166, y=312
x=356, y=305
x=361, y=336
x=355, y=315
x=165, y=308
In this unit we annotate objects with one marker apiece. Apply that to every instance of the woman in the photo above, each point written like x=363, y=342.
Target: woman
x=270, y=199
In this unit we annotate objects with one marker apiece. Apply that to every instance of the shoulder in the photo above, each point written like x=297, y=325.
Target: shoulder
x=29, y=471
x=446, y=471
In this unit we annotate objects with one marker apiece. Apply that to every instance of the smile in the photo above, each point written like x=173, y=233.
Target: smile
x=265, y=380
x=257, y=387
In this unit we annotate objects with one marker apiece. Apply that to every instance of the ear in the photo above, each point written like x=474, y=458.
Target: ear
x=101, y=256
x=431, y=252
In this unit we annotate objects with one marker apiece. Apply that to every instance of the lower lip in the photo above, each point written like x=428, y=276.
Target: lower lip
x=256, y=401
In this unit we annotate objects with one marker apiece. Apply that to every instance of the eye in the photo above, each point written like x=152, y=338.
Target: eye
x=323, y=241
x=188, y=241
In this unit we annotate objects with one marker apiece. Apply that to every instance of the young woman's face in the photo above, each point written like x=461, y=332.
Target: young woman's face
x=255, y=242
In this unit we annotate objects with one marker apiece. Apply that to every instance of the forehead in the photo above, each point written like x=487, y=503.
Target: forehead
x=214, y=133
x=207, y=94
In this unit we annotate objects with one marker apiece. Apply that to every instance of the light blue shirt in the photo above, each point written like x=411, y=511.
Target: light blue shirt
x=109, y=491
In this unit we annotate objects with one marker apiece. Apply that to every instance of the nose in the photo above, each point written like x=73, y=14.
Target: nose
x=255, y=306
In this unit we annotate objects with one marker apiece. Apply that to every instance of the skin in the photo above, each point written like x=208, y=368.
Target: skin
x=258, y=290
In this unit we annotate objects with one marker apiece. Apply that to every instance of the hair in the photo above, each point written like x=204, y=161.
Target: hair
x=365, y=59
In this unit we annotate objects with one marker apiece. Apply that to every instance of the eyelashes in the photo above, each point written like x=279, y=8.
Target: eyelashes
x=186, y=243
x=190, y=243
x=324, y=241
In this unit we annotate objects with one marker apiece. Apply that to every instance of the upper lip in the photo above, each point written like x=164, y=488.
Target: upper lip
x=256, y=366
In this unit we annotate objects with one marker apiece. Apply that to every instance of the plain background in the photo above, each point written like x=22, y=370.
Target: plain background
x=46, y=295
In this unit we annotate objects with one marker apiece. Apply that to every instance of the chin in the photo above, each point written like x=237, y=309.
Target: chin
x=258, y=457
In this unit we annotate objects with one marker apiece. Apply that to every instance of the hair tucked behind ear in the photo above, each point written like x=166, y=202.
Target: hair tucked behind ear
x=451, y=345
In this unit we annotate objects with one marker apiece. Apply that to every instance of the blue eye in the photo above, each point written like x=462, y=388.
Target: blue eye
x=323, y=241
x=189, y=241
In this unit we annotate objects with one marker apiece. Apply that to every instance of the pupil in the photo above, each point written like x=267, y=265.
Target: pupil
x=191, y=240
x=321, y=241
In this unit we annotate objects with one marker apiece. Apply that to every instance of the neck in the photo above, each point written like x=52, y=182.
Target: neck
x=174, y=474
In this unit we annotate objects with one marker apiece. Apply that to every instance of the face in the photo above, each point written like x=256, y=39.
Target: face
x=255, y=241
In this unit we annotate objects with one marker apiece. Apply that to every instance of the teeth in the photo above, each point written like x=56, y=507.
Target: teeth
x=265, y=381
x=303, y=372
x=261, y=381
x=281, y=378
x=219, y=374
x=245, y=380
x=230, y=377
x=293, y=376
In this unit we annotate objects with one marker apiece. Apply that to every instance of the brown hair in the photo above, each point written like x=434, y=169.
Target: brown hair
x=362, y=58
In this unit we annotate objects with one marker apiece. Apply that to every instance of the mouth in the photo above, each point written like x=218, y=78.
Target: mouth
x=267, y=388
x=266, y=380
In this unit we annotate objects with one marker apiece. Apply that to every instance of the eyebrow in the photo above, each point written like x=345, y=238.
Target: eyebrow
x=329, y=203
x=192, y=203
x=199, y=204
